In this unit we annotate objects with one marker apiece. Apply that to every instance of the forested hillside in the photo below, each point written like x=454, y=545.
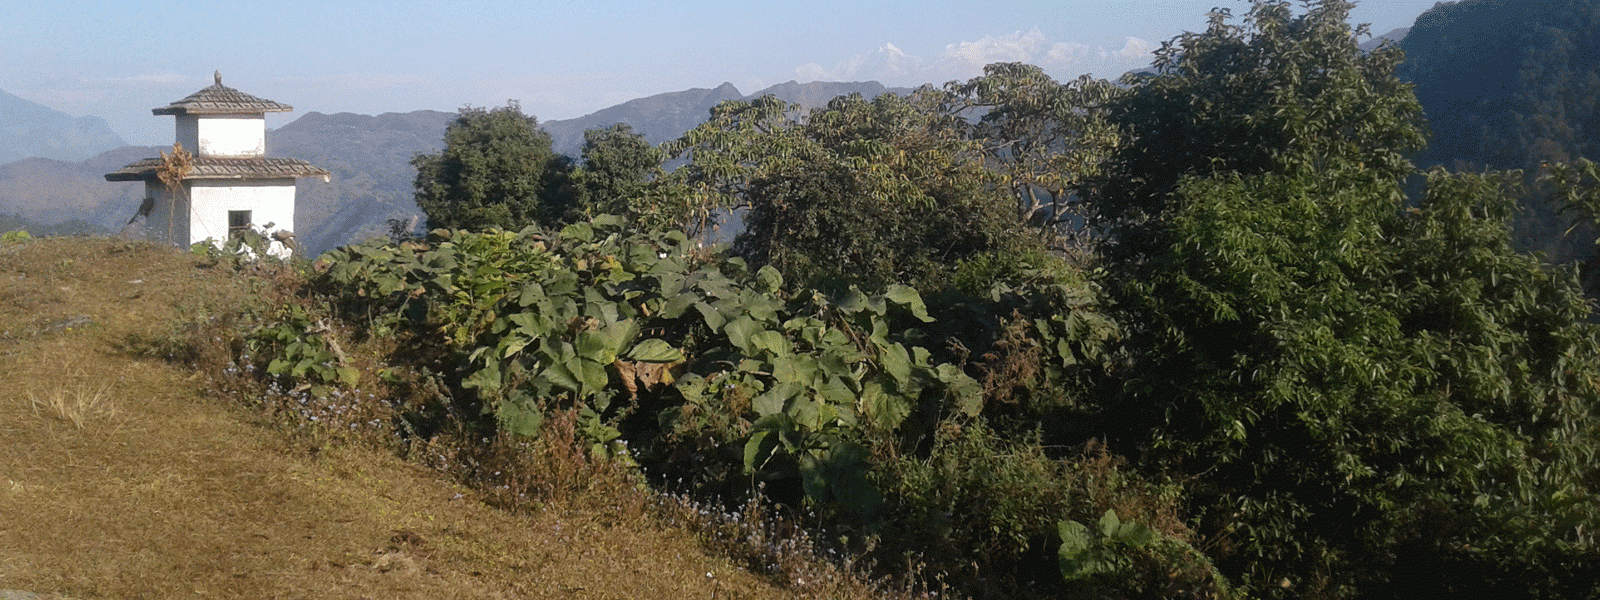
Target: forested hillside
x=1208, y=332
x=1512, y=85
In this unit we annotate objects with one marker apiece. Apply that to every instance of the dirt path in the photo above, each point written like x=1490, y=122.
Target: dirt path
x=120, y=479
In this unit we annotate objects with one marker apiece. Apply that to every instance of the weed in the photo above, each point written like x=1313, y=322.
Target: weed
x=78, y=405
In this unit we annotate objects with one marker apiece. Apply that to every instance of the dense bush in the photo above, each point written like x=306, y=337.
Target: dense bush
x=1363, y=389
x=715, y=377
x=1304, y=384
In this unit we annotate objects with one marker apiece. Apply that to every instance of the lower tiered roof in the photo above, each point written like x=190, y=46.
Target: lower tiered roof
x=223, y=168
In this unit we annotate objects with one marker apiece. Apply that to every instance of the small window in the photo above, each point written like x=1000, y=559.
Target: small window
x=238, y=222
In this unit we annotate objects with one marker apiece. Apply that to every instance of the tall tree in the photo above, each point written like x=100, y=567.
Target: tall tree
x=868, y=192
x=497, y=169
x=1045, y=139
x=1364, y=396
x=617, y=164
x=886, y=190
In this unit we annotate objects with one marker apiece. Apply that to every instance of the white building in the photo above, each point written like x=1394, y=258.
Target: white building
x=230, y=185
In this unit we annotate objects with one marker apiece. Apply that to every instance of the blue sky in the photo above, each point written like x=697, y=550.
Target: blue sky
x=560, y=59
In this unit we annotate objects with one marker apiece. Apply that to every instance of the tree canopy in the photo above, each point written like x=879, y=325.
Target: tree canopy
x=496, y=170
x=617, y=164
x=1336, y=366
x=1367, y=393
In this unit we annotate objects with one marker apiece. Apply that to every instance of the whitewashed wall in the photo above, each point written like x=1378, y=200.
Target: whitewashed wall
x=269, y=200
x=224, y=136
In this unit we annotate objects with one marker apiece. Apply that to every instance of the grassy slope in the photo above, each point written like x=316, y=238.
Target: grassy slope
x=120, y=477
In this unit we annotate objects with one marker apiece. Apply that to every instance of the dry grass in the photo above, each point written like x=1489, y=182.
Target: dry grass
x=123, y=474
x=78, y=406
x=74, y=397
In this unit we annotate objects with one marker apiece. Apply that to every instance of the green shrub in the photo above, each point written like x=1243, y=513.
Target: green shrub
x=990, y=510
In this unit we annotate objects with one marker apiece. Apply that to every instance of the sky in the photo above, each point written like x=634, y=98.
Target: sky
x=558, y=59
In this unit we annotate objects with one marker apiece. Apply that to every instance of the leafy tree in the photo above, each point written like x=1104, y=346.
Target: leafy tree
x=886, y=190
x=1364, y=396
x=1277, y=93
x=1046, y=140
x=740, y=140
x=496, y=170
x=617, y=164
x=862, y=191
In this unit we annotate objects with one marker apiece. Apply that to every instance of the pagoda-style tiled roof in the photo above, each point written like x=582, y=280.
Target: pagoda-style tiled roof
x=221, y=100
x=223, y=168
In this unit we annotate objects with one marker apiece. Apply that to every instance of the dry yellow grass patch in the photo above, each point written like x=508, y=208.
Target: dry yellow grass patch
x=121, y=477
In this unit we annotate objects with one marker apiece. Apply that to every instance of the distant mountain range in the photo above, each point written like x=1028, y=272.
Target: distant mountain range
x=1503, y=84
x=369, y=161
x=29, y=130
x=369, y=158
x=1397, y=36
x=665, y=117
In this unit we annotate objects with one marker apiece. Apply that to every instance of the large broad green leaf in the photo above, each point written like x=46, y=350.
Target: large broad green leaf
x=561, y=375
x=593, y=375
x=713, y=317
x=835, y=365
x=853, y=302
x=604, y=344
x=1109, y=523
x=514, y=343
x=527, y=323
x=761, y=307
x=654, y=350
x=579, y=232
x=834, y=391
x=532, y=292
x=1076, y=556
x=740, y=331
x=758, y=449
x=814, y=477
x=768, y=280
x=486, y=379
x=966, y=391
x=518, y=417
x=810, y=414
x=775, y=400
x=594, y=346
x=772, y=342
x=797, y=368
x=884, y=410
x=675, y=307
x=897, y=363
x=908, y=297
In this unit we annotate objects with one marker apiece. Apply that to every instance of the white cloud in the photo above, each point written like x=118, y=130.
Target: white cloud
x=1132, y=48
x=1017, y=47
x=887, y=63
x=966, y=59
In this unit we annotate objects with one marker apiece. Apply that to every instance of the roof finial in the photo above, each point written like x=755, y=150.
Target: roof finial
x=218, y=75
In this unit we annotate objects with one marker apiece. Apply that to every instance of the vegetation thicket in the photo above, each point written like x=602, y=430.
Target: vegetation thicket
x=1512, y=85
x=1185, y=337
x=496, y=170
x=1366, y=393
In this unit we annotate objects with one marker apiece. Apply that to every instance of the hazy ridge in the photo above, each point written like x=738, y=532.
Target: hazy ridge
x=1499, y=83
